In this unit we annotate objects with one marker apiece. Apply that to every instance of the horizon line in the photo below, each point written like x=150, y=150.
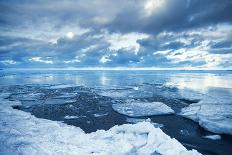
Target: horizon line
x=119, y=68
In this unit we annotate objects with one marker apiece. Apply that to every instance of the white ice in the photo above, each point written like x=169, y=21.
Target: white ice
x=100, y=114
x=213, y=137
x=123, y=92
x=213, y=112
x=137, y=108
x=33, y=97
x=116, y=93
x=61, y=86
x=21, y=133
x=70, y=117
x=137, y=120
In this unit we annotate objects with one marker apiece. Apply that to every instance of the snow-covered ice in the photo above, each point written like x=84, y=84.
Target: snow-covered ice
x=214, y=118
x=137, y=108
x=22, y=133
x=213, y=112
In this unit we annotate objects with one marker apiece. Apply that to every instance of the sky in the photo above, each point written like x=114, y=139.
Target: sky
x=188, y=34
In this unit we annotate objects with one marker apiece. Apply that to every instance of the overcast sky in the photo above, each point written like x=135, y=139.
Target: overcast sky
x=116, y=33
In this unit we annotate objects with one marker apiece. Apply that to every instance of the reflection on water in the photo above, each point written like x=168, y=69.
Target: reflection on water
x=104, y=80
x=200, y=81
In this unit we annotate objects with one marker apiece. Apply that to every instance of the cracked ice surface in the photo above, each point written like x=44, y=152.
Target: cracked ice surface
x=21, y=133
x=137, y=108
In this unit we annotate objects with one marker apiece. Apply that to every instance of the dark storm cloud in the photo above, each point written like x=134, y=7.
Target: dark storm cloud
x=124, y=16
x=34, y=33
x=221, y=47
x=157, y=45
x=222, y=44
x=176, y=16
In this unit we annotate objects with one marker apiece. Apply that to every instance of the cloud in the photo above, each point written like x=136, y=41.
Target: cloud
x=86, y=33
x=128, y=41
x=39, y=59
x=8, y=62
x=104, y=59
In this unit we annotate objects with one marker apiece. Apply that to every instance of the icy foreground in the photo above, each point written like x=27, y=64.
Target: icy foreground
x=137, y=109
x=22, y=133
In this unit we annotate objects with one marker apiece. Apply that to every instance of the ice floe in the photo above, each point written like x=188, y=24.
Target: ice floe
x=139, y=108
x=100, y=114
x=21, y=133
x=61, y=86
x=213, y=137
x=116, y=93
x=213, y=112
x=70, y=117
x=27, y=96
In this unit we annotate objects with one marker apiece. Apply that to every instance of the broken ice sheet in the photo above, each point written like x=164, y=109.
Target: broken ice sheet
x=139, y=108
x=213, y=112
x=22, y=133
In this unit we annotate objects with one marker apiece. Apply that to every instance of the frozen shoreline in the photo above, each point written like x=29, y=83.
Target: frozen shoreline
x=22, y=133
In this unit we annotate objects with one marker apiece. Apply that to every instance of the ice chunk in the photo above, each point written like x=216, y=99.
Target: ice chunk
x=69, y=101
x=216, y=118
x=213, y=137
x=116, y=93
x=70, y=117
x=4, y=95
x=61, y=86
x=123, y=92
x=28, y=96
x=137, y=120
x=136, y=108
x=23, y=133
x=136, y=88
x=100, y=114
x=213, y=112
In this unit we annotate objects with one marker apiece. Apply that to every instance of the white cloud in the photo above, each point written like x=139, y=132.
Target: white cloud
x=104, y=59
x=212, y=61
x=39, y=59
x=46, y=32
x=76, y=60
x=91, y=47
x=125, y=41
x=215, y=60
x=8, y=62
x=70, y=35
x=152, y=6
